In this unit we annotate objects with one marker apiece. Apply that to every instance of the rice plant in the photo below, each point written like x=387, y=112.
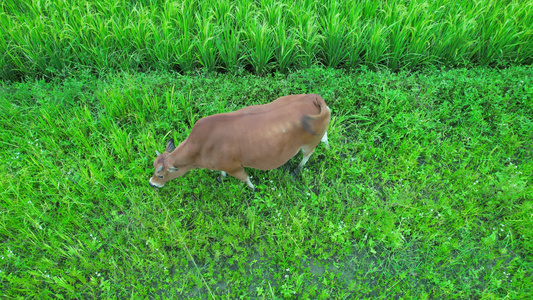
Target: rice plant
x=207, y=55
x=228, y=40
x=286, y=47
x=185, y=39
x=50, y=38
x=260, y=45
x=334, y=29
x=308, y=38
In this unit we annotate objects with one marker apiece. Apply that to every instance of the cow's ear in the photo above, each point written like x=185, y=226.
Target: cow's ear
x=172, y=169
x=170, y=145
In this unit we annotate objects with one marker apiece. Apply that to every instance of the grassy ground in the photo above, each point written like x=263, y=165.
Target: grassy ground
x=425, y=192
x=54, y=37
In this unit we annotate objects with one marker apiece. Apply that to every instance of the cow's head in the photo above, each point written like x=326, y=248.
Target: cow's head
x=164, y=167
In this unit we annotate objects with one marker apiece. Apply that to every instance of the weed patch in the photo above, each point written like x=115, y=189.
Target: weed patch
x=425, y=192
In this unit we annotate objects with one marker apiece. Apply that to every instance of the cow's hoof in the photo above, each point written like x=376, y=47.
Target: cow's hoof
x=295, y=173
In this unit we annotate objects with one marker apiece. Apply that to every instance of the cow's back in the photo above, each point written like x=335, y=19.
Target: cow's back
x=261, y=136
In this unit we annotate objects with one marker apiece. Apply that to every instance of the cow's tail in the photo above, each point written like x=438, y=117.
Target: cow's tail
x=317, y=124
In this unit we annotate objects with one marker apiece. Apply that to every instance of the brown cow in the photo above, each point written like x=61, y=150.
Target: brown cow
x=262, y=137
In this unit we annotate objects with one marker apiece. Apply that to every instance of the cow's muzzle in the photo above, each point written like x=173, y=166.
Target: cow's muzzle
x=155, y=186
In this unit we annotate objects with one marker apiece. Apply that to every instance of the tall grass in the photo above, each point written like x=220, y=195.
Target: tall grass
x=51, y=37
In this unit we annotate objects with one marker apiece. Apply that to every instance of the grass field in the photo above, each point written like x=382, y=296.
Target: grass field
x=48, y=38
x=425, y=193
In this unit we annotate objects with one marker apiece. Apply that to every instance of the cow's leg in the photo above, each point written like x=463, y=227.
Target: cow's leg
x=241, y=174
x=306, y=151
x=221, y=177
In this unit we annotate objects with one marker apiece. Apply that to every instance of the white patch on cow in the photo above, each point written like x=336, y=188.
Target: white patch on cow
x=325, y=139
x=283, y=130
x=155, y=184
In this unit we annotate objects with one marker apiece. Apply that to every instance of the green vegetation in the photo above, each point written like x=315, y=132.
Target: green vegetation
x=56, y=37
x=425, y=193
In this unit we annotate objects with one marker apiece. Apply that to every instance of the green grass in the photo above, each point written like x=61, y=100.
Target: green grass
x=51, y=38
x=425, y=192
